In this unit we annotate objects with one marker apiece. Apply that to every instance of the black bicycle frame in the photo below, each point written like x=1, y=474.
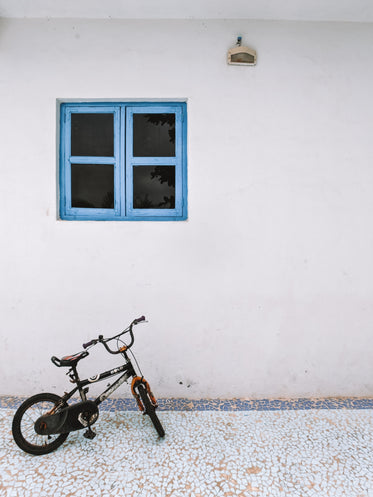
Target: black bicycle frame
x=127, y=369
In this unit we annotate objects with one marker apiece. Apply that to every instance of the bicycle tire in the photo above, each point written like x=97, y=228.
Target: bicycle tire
x=150, y=410
x=26, y=438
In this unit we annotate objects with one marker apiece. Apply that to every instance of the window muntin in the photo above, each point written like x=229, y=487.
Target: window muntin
x=123, y=161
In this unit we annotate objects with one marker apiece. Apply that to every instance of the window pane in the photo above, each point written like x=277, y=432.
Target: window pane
x=92, y=185
x=154, y=135
x=92, y=135
x=154, y=187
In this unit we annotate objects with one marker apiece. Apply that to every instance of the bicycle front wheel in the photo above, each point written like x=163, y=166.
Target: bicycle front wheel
x=150, y=410
x=23, y=427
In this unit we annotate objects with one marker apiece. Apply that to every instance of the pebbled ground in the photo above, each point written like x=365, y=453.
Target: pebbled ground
x=283, y=453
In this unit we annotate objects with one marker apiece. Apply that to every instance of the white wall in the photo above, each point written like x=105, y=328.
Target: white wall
x=267, y=289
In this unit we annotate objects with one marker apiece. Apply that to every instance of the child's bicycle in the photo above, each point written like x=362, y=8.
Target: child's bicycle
x=43, y=422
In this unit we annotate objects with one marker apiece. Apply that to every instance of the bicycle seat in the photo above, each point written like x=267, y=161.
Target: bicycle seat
x=69, y=360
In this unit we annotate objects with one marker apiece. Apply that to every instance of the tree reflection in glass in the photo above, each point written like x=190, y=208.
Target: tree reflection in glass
x=153, y=135
x=154, y=187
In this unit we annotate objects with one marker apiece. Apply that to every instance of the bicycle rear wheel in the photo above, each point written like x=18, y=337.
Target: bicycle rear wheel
x=23, y=430
x=150, y=410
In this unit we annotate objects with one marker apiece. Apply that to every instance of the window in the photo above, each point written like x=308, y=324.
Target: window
x=123, y=161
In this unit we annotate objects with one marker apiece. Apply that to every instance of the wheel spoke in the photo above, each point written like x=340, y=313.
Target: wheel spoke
x=28, y=415
x=30, y=429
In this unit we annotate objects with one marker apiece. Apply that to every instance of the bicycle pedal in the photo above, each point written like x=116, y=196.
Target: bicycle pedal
x=89, y=434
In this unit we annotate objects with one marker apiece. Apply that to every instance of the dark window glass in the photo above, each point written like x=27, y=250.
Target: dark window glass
x=154, y=187
x=154, y=135
x=92, y=185
x=92, y=135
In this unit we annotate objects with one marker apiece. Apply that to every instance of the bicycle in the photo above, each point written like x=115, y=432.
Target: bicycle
x=43, y=422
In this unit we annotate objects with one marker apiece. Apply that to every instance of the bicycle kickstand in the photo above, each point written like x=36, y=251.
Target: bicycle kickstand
x=90, y=434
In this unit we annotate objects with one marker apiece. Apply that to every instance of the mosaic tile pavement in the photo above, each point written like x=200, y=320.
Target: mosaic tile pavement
x=308, y=452
x=182, y=404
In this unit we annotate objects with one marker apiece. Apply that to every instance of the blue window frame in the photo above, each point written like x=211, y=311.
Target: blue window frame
x=123, y=161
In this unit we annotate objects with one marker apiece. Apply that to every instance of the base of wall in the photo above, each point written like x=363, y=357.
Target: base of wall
x=182, y=404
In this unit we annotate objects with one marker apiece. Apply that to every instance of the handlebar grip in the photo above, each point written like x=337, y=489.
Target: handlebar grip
x=138, y=320
x=88, y=344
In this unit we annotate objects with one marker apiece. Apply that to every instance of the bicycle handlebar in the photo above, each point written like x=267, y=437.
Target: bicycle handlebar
x=138, y=320
x=104, y=341
x=88, y=344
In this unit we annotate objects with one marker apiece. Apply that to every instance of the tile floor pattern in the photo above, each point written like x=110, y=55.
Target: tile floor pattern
x=183, y=404
x=283, y=453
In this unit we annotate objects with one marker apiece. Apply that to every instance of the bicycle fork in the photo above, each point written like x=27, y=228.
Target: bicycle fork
x=137, y=380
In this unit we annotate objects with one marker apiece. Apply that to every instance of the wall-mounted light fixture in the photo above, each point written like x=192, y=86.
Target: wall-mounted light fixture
x=241, y=56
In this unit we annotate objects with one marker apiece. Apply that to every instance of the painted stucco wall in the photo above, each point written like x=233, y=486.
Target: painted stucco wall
x=267, y=289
